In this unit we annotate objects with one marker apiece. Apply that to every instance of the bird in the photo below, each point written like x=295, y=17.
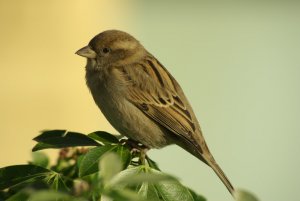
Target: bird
x=141, y=99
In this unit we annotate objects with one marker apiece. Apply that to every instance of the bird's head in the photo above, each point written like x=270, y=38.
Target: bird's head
x=113, y=48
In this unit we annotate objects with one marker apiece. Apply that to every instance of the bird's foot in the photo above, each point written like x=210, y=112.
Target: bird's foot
x=137, y=149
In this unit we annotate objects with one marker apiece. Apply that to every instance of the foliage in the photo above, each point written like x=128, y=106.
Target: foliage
x=97, y=167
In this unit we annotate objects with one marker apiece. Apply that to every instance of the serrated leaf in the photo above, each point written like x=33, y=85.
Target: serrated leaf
x=90, y=161
x=61, y=139
x=40, y=159
x=242, y=195
x=20, y=174
x=110, y=165
x=104, y=137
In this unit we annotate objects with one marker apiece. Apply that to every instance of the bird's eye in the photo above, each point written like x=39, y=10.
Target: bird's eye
x=105, y=50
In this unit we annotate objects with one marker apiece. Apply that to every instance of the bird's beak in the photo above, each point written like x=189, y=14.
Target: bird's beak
x=87, y=52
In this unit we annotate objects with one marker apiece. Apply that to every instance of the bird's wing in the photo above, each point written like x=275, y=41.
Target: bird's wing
x=157, y=94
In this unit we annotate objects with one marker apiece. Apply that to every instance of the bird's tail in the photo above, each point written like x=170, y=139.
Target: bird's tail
x=205, y=156
x=212, y=163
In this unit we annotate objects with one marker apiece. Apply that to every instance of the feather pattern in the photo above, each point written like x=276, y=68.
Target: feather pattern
x=141, y=99
x=155, y=92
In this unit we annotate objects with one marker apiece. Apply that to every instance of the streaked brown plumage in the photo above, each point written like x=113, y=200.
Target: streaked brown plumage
x=140, y=98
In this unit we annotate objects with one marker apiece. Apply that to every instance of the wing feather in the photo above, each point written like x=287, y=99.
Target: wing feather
x=152, y=90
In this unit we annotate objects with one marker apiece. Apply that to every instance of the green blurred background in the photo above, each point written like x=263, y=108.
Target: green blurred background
x=239, y=64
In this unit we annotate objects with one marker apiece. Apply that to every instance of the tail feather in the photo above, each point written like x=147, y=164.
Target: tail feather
x=212, y=163
x=205, y=156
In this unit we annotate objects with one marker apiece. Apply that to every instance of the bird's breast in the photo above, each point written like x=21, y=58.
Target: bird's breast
x=125, y=117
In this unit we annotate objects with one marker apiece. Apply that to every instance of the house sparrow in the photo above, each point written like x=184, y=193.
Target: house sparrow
x=140, y=98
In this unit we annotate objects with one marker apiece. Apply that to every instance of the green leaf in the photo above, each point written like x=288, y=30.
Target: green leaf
x=148, y=192
x=56, y=182
x=61, y=139
x=196, y=196
x=110, y=165
x=134, y=176
x=125, y=155
x=242, y=195
x=144, y=177
x=104, y=137
x=124, y=176
x=42, y=195
x=45, y=134
x=90, y=161
x=79, y=160
x=21, y=174
x=22, y=195
x=152, y=164
x=173, y=190
x=40, y=159
x=143, y=190
x=41, y=146
x=52, y=196
x=124, y=195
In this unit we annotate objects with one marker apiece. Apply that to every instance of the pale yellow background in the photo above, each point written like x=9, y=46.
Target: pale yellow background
x=42, y=84
x=239, y=64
